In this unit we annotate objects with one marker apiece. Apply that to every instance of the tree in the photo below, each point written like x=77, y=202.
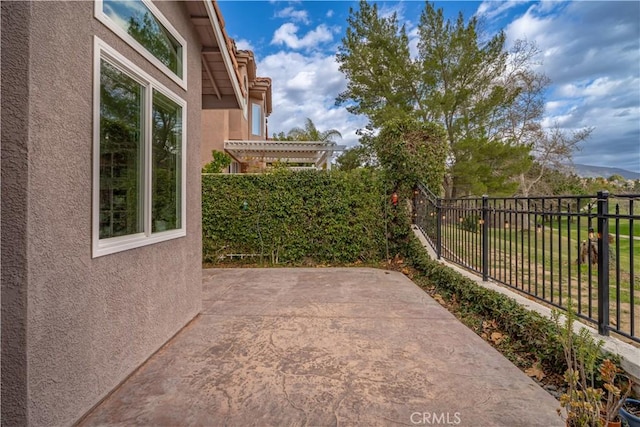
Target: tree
x=552, y=150
x=218, y=164
x=355, y=157
x=281, y=137
x=485, y=166
x=381, y=76
x=457, y=80
x=311, y=133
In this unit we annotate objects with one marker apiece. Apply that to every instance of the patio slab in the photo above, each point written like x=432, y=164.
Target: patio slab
x=324, y=347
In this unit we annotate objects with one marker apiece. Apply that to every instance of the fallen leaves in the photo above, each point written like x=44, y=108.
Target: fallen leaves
x=496, y=337
x=535, y=371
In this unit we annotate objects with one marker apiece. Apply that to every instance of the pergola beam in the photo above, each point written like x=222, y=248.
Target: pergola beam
x=312, y=152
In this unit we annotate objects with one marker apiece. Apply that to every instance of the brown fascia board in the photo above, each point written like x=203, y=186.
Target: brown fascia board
x=231, y=45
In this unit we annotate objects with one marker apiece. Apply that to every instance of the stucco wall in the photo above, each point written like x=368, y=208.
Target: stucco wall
x=215, y=130
x=238, y=125
x=14, y=182
x=91, y=322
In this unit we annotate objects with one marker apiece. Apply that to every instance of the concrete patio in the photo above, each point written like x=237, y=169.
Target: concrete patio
x=324, y=347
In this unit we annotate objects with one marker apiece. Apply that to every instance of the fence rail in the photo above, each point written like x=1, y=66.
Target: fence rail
x=557, y=249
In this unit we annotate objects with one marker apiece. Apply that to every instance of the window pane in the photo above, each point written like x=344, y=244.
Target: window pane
x=256, y=120
x=167, y=164
x=136, y=19
x=121, y=153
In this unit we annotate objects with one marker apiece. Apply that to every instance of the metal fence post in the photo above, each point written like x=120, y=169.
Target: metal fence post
x=438, y=227
x=485, y=238
x=603, y=263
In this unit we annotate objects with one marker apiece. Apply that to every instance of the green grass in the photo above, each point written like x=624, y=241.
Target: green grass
x=554, y=273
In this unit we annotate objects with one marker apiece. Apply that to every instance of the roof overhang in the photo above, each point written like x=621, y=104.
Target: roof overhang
x=312, y=152
x=221, y=87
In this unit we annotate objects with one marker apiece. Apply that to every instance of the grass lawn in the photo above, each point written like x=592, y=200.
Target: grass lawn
x=543, y=262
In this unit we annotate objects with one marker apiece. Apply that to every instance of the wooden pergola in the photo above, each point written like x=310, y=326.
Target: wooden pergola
x=311, y=154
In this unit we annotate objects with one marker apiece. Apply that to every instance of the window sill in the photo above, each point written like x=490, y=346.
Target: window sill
x=124, y=243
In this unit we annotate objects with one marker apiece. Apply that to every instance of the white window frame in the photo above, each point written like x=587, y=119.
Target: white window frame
x=104, y=18
x=112, y=245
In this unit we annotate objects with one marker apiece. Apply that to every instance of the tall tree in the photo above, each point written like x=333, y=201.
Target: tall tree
x=474, y=88
x=311, y=133
x=552, y=151
x=375, y=58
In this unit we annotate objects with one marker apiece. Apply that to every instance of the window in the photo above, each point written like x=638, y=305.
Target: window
x=245, y=101
x=139, y=156
x=140, y=23
x=256, y=119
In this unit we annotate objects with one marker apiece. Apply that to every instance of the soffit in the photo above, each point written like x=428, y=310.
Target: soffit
x=221, y=87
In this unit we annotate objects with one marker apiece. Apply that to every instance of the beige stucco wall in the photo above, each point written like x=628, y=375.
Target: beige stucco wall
x=86, y=323
x=215, y=130
x=238, y=125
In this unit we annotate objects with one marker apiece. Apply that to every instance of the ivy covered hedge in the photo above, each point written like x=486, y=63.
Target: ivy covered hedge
x=285, y=217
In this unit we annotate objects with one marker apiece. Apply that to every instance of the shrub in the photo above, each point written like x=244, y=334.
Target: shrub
x=295, y=217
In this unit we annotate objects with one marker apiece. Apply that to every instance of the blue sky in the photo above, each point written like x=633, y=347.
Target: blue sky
x=590, y=50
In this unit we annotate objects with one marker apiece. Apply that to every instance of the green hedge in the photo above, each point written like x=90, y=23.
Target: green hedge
x=306, y=217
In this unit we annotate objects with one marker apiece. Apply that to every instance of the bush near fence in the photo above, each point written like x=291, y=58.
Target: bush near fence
x=305, y=217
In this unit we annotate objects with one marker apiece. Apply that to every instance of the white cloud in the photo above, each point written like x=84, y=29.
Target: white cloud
x=491, y=9
x=287, y=35
x=306, y=85
x=244, y=44
x=329, y=13
x=387, y=10
x=591, y=53
x=293, y=14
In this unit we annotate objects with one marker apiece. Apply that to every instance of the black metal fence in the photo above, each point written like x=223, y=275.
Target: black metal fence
x=557, y=249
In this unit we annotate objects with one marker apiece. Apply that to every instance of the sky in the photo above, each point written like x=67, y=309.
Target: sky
x=589, y=49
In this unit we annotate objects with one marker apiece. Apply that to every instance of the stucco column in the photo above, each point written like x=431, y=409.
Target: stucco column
x=14, y=228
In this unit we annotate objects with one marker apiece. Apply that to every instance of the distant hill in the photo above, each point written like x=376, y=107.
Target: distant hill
x=588, y=171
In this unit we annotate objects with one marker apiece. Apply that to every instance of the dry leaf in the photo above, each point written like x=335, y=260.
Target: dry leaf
x=497, y=337
x=489, y=324
x=439, y=298
x=535, y=371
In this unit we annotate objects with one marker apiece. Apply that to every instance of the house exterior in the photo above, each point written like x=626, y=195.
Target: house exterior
x=248, y=123
x=243, y=133
x=101, y=202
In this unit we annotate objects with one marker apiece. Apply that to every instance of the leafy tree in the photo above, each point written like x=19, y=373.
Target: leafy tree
x=355, y=157
x=218, y=164
x=311, y=133
x=560, y=182
x=281, y=137
x=486, y=166
x=481, y=94
x=381, y=76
